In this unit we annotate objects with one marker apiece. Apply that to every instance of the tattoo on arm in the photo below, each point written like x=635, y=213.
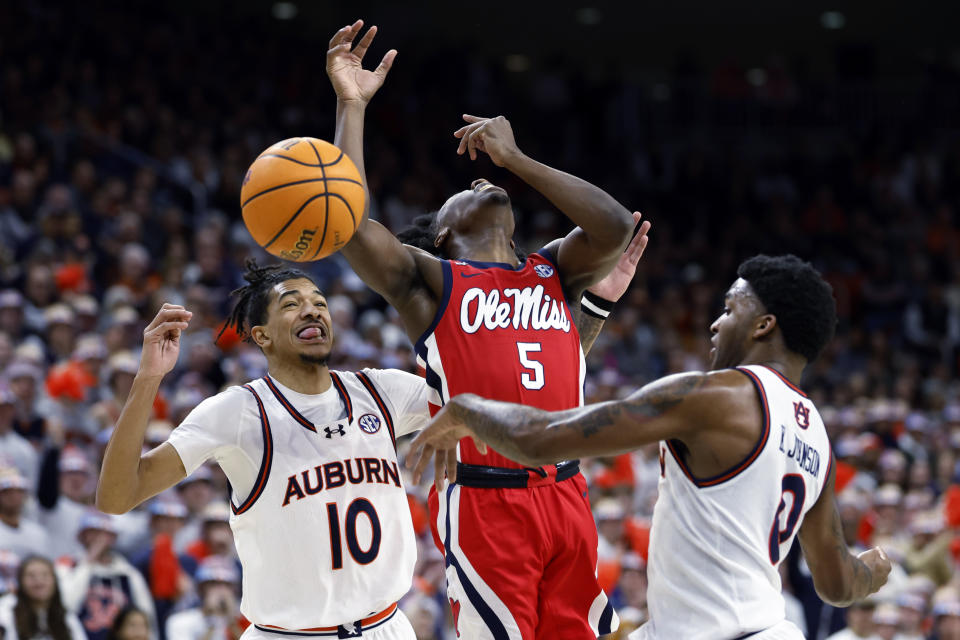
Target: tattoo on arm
x=589, y=328
x=651, y=401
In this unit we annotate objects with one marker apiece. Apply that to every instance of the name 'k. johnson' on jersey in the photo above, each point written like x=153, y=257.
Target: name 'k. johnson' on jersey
x=716, y=543
x=505, y=333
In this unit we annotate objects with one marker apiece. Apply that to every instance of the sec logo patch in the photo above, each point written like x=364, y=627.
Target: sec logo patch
x=543, y=270
x=369, y=423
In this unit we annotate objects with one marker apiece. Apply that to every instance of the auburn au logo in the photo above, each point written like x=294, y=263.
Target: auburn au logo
x=802, y=413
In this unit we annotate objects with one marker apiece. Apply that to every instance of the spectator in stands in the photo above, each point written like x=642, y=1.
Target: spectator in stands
x=218, y=615
x=101, y=582
x=15, y=450
x=36, y=611
x=859, y=622
x=946, y=616
x=165, y=571
x=196, y=491
x=17, y=533
x=130, y=624
x=65, y=494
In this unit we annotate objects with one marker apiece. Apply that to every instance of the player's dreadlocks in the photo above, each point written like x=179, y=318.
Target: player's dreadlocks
x=798, y=296
x=422, y=234
x=253, y=298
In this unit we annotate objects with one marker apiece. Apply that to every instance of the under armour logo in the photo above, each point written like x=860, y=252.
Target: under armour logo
x=802, y=414
x=339, y=430
x=349, y=630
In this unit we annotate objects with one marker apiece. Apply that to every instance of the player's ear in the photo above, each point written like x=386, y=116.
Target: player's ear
x=259, y=336
x=442, y=236
x=764, y=325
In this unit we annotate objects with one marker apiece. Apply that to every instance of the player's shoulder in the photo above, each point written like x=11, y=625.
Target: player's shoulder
x=392, y=377
x=228, y=402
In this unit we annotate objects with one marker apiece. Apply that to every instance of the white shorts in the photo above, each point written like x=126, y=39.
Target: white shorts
x=396, y=627
x=784, y=630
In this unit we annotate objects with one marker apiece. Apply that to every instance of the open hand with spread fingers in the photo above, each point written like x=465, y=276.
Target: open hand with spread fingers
x=493, y=136
x=345, y=64
x=615, y=284
x=161, y=340
x=439, y=439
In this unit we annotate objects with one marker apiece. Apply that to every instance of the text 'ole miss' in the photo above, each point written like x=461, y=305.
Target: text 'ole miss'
x=527, y=308
x=336, y=474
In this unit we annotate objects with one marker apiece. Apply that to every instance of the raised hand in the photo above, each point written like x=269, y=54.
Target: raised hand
x=161, y=340
x=494, y=136
x=615, y=284
x=439, y=439
x=345, y=66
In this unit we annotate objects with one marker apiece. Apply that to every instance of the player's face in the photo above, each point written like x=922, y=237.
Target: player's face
x=298, y=322
x=731, y=331
x=476, y=208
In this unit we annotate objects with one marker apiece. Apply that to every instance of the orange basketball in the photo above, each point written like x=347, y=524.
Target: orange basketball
x=302, y=199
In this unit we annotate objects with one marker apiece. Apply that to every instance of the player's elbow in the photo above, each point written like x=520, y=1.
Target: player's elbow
x=616, y=230
x=835, y=591
x=109, y=502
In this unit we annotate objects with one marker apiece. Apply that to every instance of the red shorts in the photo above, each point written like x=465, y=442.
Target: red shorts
x=521, y=563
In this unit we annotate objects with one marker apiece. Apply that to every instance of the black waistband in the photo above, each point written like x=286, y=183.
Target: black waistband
x=482, y=477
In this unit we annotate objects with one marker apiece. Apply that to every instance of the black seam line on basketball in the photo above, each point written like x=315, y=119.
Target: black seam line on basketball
x=277, y=155
x=326, y=203
x=330, y=164
x=349, y=208
x=316, y=153
x=294, y=217
x=290, y=184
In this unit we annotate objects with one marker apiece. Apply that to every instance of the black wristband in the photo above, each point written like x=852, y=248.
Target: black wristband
x=594, y=305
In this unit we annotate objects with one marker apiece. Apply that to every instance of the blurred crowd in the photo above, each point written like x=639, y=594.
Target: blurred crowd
x=123, y=142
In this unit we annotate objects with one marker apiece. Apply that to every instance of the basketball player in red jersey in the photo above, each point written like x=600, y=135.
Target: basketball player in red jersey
x=520, y=543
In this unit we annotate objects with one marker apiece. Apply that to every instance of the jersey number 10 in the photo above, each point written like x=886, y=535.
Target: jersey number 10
x=358, y=506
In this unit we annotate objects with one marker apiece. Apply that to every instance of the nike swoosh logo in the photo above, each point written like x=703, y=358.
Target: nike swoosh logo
x=469, y=275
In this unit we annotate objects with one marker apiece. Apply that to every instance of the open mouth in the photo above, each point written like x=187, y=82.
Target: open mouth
x=312, y=334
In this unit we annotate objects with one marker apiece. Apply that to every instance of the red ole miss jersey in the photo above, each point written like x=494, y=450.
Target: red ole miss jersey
x=504, y=333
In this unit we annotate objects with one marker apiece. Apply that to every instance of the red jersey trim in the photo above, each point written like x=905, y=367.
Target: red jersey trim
x=297, y=416
x=783, y=378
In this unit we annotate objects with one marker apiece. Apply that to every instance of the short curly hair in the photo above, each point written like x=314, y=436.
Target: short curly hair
x=802, y=301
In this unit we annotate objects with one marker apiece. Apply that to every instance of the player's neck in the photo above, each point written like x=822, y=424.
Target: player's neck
x=489, y=246
x=787, y=364
x=302, y=377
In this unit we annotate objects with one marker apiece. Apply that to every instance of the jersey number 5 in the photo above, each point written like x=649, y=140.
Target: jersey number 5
x=532, y=380
x=792, y=484
x=358, y=506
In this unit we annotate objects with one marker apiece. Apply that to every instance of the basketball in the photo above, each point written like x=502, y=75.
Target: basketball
x=302, y=199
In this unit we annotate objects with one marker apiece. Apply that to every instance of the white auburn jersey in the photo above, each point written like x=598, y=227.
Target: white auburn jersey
x=324, y=535
x=716, y=543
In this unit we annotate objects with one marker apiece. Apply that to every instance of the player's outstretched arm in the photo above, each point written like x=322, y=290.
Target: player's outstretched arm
x=127, y=478
x=590, y=315
x=604, y=226
x=667, y=408
x=380, y=260
x=840, y=577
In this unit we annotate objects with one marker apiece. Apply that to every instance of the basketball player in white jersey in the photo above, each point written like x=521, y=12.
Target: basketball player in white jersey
x=320, y=517
x=745, y=463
